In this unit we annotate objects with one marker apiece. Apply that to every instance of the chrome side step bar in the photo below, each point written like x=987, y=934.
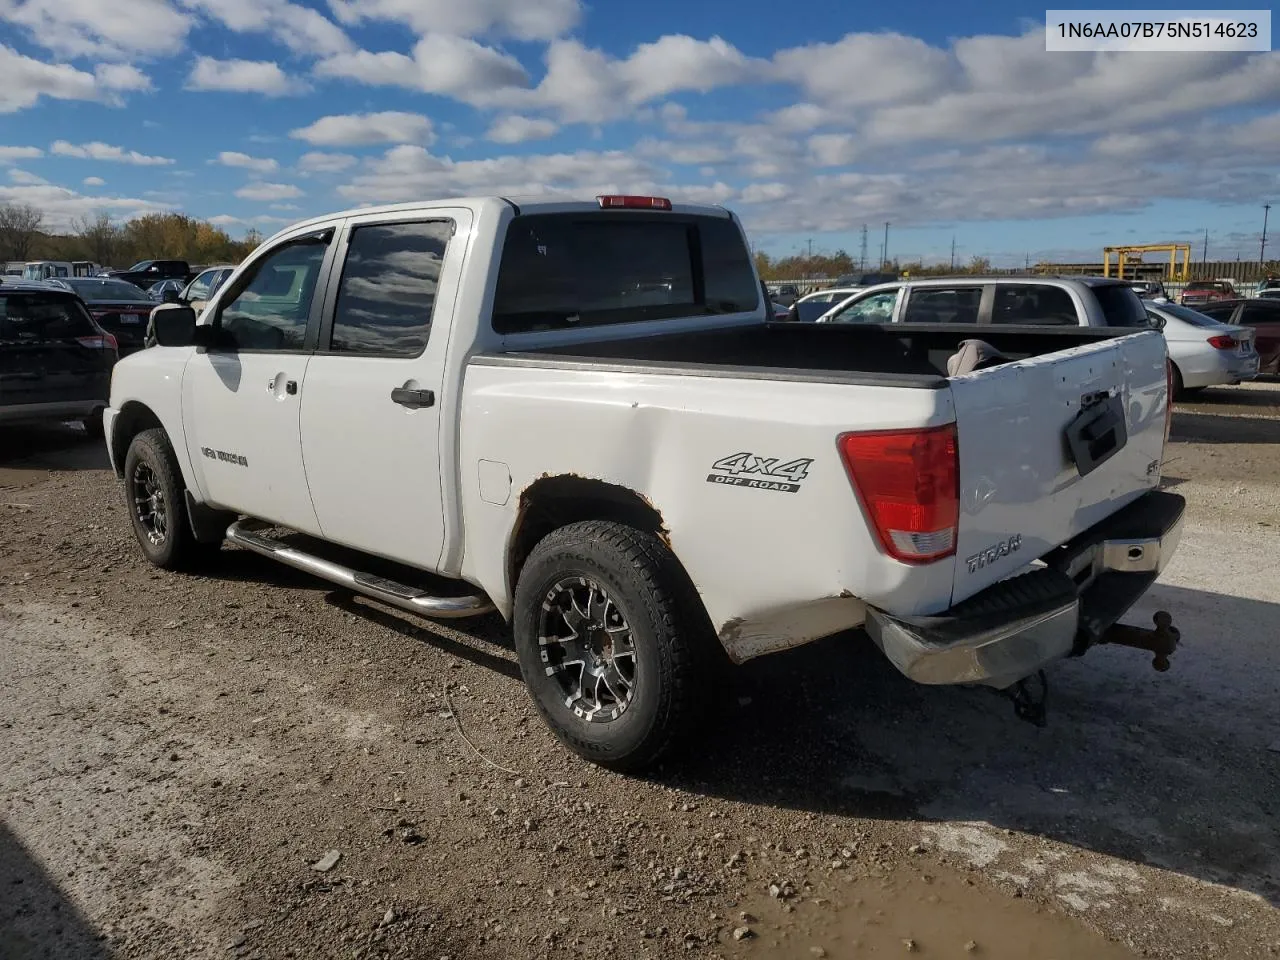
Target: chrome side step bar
x=246, y=533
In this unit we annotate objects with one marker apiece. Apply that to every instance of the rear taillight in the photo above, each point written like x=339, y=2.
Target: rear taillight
x=102, y=341
x=1224, y=342
x=909, y=484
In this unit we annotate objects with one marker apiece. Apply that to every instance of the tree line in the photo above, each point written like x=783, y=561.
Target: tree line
x=842, y=264
x=155, y=236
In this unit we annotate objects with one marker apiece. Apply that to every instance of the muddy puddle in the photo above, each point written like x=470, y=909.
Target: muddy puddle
x=932, y=913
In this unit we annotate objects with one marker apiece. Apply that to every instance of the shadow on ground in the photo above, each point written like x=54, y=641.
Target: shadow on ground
x=36, y=918
x=1223, y=428
x=1138, y=765
x=30, y=452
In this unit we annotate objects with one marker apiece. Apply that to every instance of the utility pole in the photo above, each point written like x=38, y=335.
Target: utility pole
x=1262, y=250
x=1204, y=257
x=1026, y=263
x=953, y=253
x=885, y=259
x=862, y=257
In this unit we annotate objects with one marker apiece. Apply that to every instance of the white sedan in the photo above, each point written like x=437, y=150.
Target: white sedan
x=1205, y=353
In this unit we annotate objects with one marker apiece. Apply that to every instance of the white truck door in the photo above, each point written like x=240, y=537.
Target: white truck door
x=240, y=399
x=372, y=400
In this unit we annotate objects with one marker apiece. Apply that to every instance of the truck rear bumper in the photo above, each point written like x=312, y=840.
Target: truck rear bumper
x=1015, y=627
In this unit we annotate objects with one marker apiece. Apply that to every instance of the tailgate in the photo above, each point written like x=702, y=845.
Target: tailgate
x=1051, y=445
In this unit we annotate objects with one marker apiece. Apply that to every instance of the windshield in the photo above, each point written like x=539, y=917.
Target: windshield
x=141, y=265
x=1120, y=305
x=115, y=291
x=1188, y=315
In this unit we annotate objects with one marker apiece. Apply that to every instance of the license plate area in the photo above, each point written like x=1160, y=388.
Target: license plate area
x=130, y=318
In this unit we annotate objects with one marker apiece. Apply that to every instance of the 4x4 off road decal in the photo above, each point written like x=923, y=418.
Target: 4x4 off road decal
x=759, y=473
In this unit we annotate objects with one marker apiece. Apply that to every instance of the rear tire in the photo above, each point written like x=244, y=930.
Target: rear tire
x=1179, y=391
x=154, y=497
x=608, y=641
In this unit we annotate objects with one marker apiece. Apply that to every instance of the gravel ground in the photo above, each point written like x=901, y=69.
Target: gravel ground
x=250, y=764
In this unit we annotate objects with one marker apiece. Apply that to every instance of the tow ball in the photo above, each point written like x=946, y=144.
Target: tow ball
x=1161, y=641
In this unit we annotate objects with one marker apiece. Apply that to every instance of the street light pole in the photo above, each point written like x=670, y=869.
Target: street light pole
x=1262, y=250
x=885, y=259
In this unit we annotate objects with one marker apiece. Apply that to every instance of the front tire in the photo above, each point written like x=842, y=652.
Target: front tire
x=154, y=497
x=607, y=636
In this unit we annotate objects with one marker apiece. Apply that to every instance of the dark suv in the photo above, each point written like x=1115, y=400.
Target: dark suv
x=55, y=361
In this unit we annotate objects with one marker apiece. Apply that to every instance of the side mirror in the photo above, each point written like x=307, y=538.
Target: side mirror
x=1156, y=322
x=173, y=325
x=170, y=295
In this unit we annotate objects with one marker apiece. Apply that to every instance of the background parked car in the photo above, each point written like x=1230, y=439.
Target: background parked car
x=1271, y=293
x=201, y=290
x=147, y=272
x=1205, y=352
x=166, y=291
x=1035, y=301
x=787, y=294
x=1149, y=289
x=1260, y=313
x=1204, y=291
x=118, y=307
x=55, y=360
x=811, y=307
x=1268, y=283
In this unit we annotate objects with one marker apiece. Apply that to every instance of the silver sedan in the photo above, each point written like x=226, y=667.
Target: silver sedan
x=1205, y=353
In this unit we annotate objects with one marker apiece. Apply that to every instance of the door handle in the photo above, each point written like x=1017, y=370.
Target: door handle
x=413, y=399
x=290, y=386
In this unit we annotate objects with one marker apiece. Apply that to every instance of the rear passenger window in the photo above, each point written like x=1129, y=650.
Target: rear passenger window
x=943, y=305
x=39, y=318
x=1033, y=304
x=388, y=288
x=1255, y=313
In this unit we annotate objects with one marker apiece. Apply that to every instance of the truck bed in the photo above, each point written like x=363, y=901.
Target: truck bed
x=887, y=354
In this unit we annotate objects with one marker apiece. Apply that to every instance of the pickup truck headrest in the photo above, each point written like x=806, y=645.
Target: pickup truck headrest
x=974, y=355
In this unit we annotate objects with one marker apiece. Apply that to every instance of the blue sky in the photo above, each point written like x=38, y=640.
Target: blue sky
x=947, y=120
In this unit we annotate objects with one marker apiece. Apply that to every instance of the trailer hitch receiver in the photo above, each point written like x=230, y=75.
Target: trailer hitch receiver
x=1160, y=641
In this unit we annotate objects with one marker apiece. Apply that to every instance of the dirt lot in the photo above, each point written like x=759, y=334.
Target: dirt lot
x=183, y=754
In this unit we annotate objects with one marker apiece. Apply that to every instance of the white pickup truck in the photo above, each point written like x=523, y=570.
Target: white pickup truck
x=577, y=413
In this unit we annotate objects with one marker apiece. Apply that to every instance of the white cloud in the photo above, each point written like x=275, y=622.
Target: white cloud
x=588, y=85
x=243, y=76
x=833, y=149
x=225, y=220
x=406, y=172
x=94, y=182
x=114, y=29
x=688, y=154
x=10, y=154
x=105, y=151
x=765, y=193
x=326, y=162
x=24, y=176
x=230, y=158
x=285, y=206
x=303, y=30
x=517, y=129
x=23, y=81
x=678, y=62
x=443, y=64
x=522, y=19
x=121, y=76
x=358, y=129
x=867, y=68
x=268, y=191
x=61, y=206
